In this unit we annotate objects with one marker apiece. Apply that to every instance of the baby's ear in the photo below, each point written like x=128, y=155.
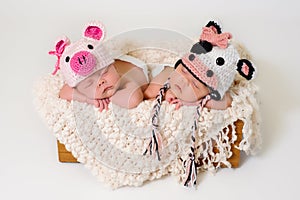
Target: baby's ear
x=94, y=30
x=246, y=69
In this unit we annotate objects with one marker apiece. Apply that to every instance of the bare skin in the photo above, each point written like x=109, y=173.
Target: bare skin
x=121, y=83
x=184, y=89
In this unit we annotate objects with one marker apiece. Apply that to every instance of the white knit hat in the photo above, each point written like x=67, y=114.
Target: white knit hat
x=81, y=59
x=214, y=61
x=215, y=69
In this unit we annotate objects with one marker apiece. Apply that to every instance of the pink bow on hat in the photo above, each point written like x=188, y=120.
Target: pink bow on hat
x=59, y=49
x=210, y=34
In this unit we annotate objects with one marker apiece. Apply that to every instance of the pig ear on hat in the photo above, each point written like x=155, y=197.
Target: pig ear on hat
x=246, y=69
x=94, y=30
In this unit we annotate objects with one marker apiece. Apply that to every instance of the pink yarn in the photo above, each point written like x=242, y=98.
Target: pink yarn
x=200, y=70
x=59, y=49
x=82, y=58
x=209, y=34
x=245, y=69
x=190, y=168
x=83, y=63
x=93, y=32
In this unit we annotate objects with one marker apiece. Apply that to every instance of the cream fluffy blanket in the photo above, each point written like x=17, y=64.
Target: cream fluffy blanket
x=111, y=143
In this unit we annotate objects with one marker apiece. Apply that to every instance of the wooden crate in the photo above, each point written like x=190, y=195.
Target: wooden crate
x=66, y=156
x=236, y=153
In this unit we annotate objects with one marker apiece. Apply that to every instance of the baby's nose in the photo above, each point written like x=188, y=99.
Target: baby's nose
x=101, y=82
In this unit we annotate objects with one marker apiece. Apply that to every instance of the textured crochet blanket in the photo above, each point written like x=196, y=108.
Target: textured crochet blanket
x=111, y=143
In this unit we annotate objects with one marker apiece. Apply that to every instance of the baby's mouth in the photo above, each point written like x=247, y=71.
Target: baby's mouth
x=107, y=88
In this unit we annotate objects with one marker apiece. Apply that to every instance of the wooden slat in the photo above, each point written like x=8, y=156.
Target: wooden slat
x=64, y=155
x=236, y=153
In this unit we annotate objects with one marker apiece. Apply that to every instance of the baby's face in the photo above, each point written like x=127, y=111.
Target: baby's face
x=102, y=84
x=185, y=86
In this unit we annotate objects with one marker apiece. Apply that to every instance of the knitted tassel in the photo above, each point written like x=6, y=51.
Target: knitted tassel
x=191, y=171
x=154, y=144
x=156, y=141
x=190, y=168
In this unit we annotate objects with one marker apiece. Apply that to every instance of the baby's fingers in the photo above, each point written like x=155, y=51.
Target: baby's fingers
x=91, y=101
x=178, y=105
x=101, y=106
x=177, y=102
x=96, y=103
x=106, y=105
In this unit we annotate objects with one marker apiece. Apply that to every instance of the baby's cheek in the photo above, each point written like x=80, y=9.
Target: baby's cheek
x=112, y=79
x=197, y=93
x=97, y=94
x=189, y=94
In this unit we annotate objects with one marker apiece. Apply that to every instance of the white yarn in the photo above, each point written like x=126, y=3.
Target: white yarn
x=98, y=52
x=111, y=143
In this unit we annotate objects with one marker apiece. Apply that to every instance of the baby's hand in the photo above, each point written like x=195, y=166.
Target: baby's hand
x=170, y=96
x=178, y=103
x=99, y=103
x=223, y=104
x=92, y=102
x=102, y=104
x=172, y=99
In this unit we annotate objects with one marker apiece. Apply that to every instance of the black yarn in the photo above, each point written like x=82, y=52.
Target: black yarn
x=214, y=24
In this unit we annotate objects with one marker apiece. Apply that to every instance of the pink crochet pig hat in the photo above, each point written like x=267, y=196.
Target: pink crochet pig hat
x=81, y=59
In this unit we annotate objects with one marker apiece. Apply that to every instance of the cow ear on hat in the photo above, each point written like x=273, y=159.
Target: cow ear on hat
x=201, y=47
x=246, y=69
x=215, y=25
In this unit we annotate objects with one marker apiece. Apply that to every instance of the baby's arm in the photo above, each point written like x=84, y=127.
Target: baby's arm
x=129, y=96
x=69, y=93
x=157, y=82
x=212, y=104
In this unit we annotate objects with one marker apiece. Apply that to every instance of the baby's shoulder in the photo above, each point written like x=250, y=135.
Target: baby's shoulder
x=124, y=67
x=127, y=62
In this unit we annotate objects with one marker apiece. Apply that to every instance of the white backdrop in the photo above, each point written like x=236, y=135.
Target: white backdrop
x=28, y=163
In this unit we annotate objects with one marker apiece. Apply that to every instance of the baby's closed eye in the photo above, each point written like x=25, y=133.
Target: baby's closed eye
x=195, y=84
x=88, y=83
x=104, y=72
x=184, y=70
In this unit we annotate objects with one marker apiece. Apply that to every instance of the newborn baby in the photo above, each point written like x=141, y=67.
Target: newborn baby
x=202, y=75
x=121, y=83
x=92, y=76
